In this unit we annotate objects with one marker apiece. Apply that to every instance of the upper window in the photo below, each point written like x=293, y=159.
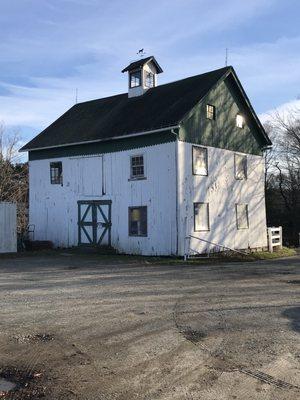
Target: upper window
x=201, y=217
x=242, y=220
x=200, y=161
x=149, y=79
x=138, y=221
x=210, y=111
x=240, y=122
x=240, y=166
x=56, y=177
x=137, y=167
x=135, y=79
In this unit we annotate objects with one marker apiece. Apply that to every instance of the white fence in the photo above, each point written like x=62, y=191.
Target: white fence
x=8, y=228
x=274, y=238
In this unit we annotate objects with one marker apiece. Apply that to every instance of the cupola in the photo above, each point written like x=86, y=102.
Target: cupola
x=142, y=75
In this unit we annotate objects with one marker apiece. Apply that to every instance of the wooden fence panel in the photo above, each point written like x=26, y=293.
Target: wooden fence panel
x=8, y=228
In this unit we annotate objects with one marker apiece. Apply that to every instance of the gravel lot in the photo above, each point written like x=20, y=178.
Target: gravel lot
x=76, y=326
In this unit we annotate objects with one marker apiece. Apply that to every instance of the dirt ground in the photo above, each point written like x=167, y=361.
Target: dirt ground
x=96, y=327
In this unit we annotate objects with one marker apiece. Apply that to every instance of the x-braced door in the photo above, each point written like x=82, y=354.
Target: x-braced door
x=94, y=222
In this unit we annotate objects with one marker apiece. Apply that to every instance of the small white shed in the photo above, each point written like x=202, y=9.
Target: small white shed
x=8, y=228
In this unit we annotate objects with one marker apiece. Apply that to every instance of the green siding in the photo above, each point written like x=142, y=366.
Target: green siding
x=104, y=147
x=222, y=132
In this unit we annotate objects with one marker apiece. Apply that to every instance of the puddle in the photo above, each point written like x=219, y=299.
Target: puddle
x=22, y=384
x=6, y=386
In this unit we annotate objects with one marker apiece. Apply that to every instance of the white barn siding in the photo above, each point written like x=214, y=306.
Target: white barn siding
x=8, y=228
x=222, y=191
x=54, y=212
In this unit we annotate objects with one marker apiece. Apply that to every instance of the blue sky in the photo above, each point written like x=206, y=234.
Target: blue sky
x=51, y=47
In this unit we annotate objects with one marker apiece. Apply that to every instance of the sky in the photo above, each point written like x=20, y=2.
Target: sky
x=50, y=48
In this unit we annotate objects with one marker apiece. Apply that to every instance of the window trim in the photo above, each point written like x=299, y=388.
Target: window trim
x=206, y=151
x=129, y=214
x=53, y=182
x=214, y=112
x=137, y=177
x=236, y=215
x=236, y=120
x=235, y=167
x=141, y=78
x=208, y=219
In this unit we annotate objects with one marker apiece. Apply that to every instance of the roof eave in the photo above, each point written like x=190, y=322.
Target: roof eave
x=166, y=128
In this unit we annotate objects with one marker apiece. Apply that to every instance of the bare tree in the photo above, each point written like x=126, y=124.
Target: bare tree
x=13, y=174
x=283, y=172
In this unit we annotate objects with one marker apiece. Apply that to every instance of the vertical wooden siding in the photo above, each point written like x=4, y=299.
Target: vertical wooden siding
x=222, y=132
x=53, y=208
x=222, y=191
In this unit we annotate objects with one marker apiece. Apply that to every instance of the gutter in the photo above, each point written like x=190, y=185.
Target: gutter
x=103, y=140
x=177, y=192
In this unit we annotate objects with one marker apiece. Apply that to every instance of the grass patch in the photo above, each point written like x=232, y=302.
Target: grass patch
x=224, y=258
x=284, y=252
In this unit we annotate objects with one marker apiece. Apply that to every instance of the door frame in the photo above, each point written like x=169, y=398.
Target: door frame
x=94, y=204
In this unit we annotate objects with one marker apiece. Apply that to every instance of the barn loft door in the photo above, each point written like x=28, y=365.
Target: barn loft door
x=94, y=222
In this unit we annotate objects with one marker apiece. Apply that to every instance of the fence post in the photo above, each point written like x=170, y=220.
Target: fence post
x=280, y=240
x=270, y=243
x=274, y=238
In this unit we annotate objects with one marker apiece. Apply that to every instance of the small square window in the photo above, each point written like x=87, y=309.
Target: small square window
x=137, y=167
x=240, y=121
x=149, y=79
x=56, y=177
x=200, y=161
x=210, y=111
x=201, y=217
x=135, y=79
x=138, y=221
x=240, y=166
x=242, y=220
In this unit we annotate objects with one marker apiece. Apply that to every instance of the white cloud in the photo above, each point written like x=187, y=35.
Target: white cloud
x=284, y=110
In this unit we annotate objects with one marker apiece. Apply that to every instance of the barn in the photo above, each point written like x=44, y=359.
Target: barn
x=147, y=170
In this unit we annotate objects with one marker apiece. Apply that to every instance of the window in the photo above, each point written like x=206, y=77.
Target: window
x=200, y=161
x=242, y=221
x=201, y=217
x=135, y=79
x=137, y=167
x=239, y=121
x=56, y=177
x=138, y=221
x=210, y=111
x=240, y=166
x=149, y=79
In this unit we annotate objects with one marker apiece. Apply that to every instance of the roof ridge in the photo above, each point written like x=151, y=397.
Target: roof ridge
x=164, y=84
x=229, y=67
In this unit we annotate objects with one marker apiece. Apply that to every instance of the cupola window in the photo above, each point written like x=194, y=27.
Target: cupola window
x=149, y=79
x=135, y=79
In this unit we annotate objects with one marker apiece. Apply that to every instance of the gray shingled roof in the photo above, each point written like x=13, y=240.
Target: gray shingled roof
x=118, y=116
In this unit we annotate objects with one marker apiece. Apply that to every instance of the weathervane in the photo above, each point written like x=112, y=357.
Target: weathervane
x=141, y=53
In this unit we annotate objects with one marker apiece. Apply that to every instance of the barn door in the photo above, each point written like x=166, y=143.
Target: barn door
x=94, y=222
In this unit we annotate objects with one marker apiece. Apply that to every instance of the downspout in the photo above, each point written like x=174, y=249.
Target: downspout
x=177, y=190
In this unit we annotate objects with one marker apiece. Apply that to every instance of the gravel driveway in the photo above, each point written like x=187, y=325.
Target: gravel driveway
x=76, y=326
